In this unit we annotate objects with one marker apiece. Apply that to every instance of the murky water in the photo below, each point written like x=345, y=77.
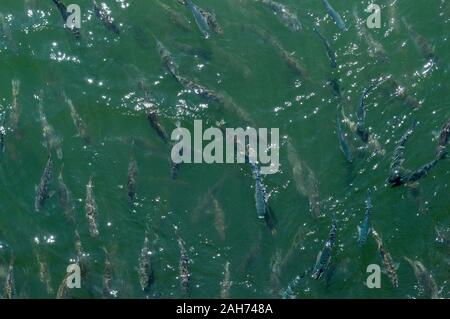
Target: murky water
x=211, y=208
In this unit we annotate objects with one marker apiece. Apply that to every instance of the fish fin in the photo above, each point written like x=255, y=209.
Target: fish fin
x=358, y=228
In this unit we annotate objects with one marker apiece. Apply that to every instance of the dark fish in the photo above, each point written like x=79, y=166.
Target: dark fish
x=44, y=273
x=212, y=21
x=397, y=172
x=42, y=191
x=342, y=141
x=63, y=290
x=91, y=209
x=330, y=52
x=145, y=269
x=361, y=130
x=131, y=180
x=399, y=175
x=324, y=257
x=335, y=15
x=389, y=265
x=184, y=267
x=62, y=8
x=166, y=58
x=104, y=14
x=364, y=229
x=289, y=293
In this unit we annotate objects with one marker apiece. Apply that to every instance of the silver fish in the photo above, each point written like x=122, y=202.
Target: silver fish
x=104, y=14
x=200, y=19
x=78, y=122
x=219, y=218
x=42, y=191
x=425, y=279
x=422, y=44
x=175, y=16
x=107, y=276
x=52, y=140
x=44, y=273
x=184, y=267
x=10, y=286
x=15, y=106
x=289, y=19
x=131, y=180
x=91, y=209
x=389, y=265
x=305, y=180
x=226, y=283
x=343, y=145
x=444, y=138
x=64, y=199
x=145, y=270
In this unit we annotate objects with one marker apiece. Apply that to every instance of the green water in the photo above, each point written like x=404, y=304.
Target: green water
x=101, y=72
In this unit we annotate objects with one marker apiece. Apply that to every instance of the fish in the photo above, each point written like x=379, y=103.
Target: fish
x=335, y=16
x=260, y=193
x=330, y=52
x=199, y=18
x=104, y=14
x=175, y=16
x=206, y=200
x=131, y=180
x=212, y=21
x=44, y=273
x=324, y=256
x=2, y=133
x=62, y=8
x=167, y=59
x=15, y=106
x=107, y=276
x=10, y=286
x=48, y=132
x=62, y=292
x=361, y=130
x=388, y=263
x=226, y=283
x=345, y=148
x=287, y=57
x=364, y=229
x=91, y=209
x=444, y=138
x=78, y=122
x=400, y=93
x=198, y=89
x=426, y=49
x=64, y=199
x=425, y=279
x=145, y=269
x=42, y=190
x=288, y=18
x=305, y=180
x=275, y=272
x=397, y=172
x=219, y=218
x=184, y=267
x=289, y=293
x=375, y=48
